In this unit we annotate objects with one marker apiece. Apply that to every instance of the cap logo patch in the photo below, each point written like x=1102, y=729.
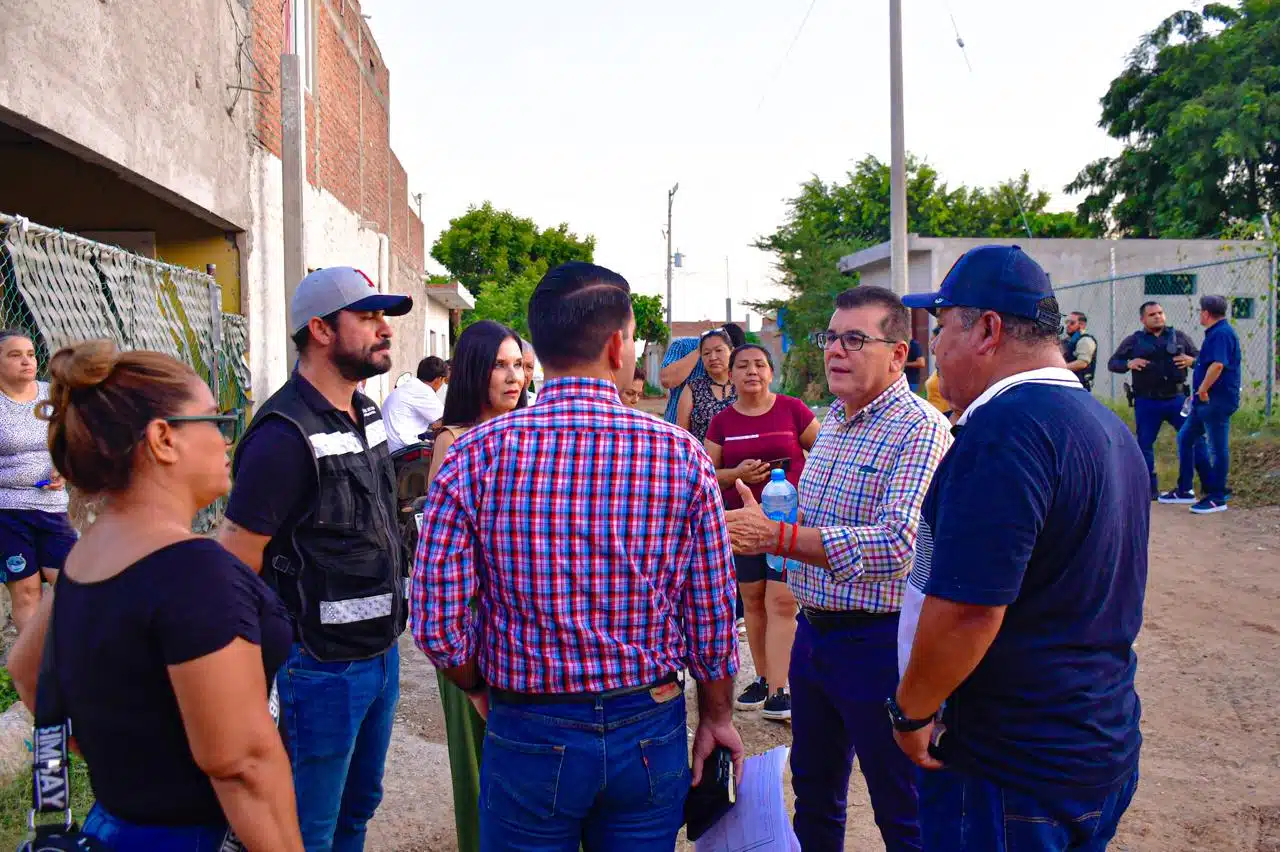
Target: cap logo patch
x=938, y=301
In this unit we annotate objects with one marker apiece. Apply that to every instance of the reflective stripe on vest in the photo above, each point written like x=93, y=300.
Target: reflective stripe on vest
x=355, y=609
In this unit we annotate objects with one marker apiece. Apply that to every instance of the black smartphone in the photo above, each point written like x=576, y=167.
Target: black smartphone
x=780, y=464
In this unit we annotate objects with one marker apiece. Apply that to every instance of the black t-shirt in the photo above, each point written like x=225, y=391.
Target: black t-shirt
x=115, y=640
x=274, y=474
x=913, y=352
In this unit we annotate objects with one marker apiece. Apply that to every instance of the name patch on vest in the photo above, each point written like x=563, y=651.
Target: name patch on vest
x=335, y=444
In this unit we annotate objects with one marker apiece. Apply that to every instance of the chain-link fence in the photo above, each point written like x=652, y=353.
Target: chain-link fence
x=61, y=288
x=1113, y=305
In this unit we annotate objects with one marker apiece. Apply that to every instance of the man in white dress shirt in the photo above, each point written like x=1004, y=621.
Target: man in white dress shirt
x=412, y=407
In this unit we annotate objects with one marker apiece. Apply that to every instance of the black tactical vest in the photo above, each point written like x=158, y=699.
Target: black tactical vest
x=1069, y=352
x=338, y=562
x=1162, y=379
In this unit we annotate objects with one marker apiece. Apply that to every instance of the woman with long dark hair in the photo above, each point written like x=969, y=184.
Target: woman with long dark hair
x=35, y=535
x=488, y=380
x=164, y=644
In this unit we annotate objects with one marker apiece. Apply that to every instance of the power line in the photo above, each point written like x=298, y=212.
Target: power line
x=959, y=40
x=777, y=71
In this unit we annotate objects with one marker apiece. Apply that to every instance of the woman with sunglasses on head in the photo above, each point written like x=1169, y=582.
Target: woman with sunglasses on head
x=488, y=380
x=35, y=535
x=761, y=430
x=707, y=395
x=164, y=643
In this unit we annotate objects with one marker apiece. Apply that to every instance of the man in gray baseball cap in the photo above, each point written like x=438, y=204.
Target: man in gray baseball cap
x=335, y=288
x=313, y=510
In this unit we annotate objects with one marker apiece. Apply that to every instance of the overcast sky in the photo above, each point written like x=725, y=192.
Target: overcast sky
x=587, y=111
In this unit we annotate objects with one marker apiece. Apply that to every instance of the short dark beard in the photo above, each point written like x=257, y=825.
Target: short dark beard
x=357, y=366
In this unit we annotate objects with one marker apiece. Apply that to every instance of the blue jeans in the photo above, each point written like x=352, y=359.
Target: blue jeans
x=1149, y=415
x=840, y=679
x=609, y=774
x=338, y=720
x=1210, y=420
x=131, y=837
x=960, y=812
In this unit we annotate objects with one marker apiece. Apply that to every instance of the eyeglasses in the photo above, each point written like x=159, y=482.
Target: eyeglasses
x=228, y=422
x=850, y=341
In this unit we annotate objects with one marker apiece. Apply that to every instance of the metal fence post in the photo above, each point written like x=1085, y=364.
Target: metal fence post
x=215, y=325
x=1112, y=324
x=1272, y=354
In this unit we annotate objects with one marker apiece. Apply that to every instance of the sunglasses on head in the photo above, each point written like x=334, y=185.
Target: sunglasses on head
x=228, y=422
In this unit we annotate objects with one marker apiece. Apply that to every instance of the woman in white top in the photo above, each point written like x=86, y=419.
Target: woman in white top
x=35, y=535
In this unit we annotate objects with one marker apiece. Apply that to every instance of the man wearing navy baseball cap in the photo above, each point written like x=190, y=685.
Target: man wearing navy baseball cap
x=1027, y=588
x=313, y=509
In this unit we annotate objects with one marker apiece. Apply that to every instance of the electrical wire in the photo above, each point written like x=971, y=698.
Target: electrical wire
x=778, y=71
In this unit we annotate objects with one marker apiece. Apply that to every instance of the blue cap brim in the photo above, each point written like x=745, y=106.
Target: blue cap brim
x=928, y=301
x=392, y=306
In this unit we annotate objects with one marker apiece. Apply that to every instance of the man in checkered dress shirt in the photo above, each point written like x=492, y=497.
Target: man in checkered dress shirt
x=860, y=497
x=592, y=539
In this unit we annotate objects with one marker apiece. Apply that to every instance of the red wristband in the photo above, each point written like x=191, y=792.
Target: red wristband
x=782, y=528
x=795, y=534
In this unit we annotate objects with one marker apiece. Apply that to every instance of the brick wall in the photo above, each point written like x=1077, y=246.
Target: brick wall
x=348, y=118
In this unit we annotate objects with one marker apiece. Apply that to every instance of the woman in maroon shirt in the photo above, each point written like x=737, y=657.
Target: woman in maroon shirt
x=759, y=431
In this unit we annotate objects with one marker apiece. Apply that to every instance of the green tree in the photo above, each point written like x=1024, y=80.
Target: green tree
x=1198, y=108
x=828, y=220
x=485, y=245
x=509, y=304
x=651, y=320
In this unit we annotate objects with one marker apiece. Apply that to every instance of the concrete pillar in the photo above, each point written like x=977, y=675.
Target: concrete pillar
x=293, y=155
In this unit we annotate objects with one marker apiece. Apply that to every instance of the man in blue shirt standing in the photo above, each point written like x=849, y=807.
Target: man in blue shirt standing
x=1216, y=384
x=1027, y=589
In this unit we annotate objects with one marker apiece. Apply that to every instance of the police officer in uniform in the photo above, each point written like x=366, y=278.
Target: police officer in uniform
x=1080, y=349
x=313, y=509
x=1158, y=356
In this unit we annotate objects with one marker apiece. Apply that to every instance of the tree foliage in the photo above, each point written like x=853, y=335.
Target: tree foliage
x=500, y=257
x=485, y=245
x=1198, y=108
x=651, y=320
x=509, y=304
x=830, y=219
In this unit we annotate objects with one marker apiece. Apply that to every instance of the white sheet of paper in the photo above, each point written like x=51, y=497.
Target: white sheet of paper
x=758, y=821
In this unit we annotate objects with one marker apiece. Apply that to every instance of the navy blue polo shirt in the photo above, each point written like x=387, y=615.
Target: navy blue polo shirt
x=1042, y=505
x=1221, y=346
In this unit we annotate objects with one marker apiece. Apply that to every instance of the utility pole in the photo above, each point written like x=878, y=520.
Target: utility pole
x=293, y=159
x=671, y=195
x=898, y=164
x=728, y=293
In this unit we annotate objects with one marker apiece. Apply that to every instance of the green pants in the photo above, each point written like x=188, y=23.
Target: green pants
x=465, y=731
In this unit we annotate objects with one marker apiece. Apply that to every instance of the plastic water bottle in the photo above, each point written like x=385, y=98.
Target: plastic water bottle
x=781, y=503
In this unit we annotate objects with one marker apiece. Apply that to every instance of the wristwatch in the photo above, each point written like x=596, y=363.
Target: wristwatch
x=899, y=720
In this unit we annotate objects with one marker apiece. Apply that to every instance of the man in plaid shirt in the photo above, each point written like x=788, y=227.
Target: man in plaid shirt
x=860, y=497
x=592, y=539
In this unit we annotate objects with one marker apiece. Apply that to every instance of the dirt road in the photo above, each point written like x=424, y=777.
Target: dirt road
x=1209, y=676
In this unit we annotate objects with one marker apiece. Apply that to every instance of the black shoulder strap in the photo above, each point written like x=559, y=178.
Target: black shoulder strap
x=50, y=764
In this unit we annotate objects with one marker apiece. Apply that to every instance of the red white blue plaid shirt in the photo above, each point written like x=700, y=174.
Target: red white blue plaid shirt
x=593, y=539
x=862, y=485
